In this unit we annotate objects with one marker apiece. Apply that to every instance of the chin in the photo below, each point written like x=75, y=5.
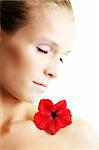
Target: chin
x=30, y=98
x=30, y=94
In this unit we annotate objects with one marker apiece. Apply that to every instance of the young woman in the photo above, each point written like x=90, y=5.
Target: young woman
x=35, y=34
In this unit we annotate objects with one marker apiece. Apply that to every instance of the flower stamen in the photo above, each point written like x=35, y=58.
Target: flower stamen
x=53, y=114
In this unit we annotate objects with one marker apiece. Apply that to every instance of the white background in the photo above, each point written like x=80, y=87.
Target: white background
x=79, y=83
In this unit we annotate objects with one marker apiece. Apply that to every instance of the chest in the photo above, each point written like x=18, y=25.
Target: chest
x=28, y=137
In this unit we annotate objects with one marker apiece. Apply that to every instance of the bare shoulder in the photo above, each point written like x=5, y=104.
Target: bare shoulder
x=84, y=126
x=26, y=127
x=21, y=135
x=25, y=135
x=82, y=133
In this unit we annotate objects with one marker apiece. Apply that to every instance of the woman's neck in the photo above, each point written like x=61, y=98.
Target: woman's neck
x=11, y=109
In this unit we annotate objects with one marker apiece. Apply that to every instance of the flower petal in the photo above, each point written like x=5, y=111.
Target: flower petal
x=40, y=121
x=61, y=105
x=65, y=119
x=58, y=123
x=51, y=127
x=45, y=106
x=46, y=120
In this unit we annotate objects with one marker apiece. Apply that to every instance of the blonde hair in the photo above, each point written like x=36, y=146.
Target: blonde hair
x=16, y=13
x=61, y=3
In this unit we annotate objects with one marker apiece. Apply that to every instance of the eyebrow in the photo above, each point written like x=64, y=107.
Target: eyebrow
x=67, y=52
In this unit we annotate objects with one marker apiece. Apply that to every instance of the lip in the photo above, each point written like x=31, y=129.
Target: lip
x=41, y=84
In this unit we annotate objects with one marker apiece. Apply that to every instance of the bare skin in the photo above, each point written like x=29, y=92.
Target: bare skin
x=22, y=64
x=24, y=135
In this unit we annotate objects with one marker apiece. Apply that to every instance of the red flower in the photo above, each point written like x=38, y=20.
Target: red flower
x=52, y=117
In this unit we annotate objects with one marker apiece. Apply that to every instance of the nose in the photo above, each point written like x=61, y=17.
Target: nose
x=51, y=72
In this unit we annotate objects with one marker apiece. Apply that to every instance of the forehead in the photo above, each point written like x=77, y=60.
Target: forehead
x=54, y=25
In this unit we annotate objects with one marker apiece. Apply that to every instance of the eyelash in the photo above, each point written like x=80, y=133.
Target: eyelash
x=40, y=50
x=45, y=52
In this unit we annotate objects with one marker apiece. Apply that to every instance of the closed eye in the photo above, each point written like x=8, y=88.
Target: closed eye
x=45, y=52
x=41, y=50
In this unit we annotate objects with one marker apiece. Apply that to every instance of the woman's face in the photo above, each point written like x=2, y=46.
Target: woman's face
x=31, y=57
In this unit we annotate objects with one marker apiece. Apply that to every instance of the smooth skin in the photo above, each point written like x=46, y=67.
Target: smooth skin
x=21, y=64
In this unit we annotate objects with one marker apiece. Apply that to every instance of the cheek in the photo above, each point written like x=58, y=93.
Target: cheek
x=22, y=60
x=22, y=63
x=16, y=65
